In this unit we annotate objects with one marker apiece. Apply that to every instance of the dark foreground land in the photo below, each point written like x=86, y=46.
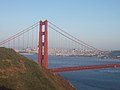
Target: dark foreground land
x=19, y=73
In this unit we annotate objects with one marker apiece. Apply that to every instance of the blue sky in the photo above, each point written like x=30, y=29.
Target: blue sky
x=96, y=22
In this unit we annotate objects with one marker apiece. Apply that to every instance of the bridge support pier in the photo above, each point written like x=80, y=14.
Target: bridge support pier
x=43, y=44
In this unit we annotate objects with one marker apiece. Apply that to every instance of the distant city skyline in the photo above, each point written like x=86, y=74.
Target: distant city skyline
x=96, y=22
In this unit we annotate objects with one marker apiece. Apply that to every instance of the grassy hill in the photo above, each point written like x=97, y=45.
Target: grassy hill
x=19, y=73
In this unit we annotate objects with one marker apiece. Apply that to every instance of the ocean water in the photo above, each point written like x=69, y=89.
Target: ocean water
x=100, y=79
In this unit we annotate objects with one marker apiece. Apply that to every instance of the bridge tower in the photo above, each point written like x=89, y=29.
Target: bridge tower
x=43, y=44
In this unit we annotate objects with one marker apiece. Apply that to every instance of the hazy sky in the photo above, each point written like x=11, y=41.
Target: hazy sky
x=96, y=22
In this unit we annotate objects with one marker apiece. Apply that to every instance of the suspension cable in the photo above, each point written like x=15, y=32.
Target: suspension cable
x=73, y=36
x=19, y=34
x=69, y=37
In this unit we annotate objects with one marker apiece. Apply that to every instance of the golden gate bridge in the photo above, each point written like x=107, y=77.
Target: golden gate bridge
x=38, y=39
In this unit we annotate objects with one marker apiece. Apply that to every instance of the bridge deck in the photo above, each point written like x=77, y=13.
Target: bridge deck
x=84, y=67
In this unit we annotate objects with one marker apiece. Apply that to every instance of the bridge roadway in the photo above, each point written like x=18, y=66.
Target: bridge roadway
x=66, y=69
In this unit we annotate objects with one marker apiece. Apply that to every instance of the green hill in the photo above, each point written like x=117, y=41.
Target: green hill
x=19, y=73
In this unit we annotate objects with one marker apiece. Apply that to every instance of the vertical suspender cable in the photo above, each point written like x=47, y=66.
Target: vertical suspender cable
x=23, y=42
x=18, y=43
x=32, y=40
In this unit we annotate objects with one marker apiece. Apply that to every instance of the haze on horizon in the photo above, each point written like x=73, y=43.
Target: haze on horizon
x=96, y=22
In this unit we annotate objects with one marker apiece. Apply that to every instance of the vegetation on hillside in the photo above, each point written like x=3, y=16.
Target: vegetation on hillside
x=19, y=73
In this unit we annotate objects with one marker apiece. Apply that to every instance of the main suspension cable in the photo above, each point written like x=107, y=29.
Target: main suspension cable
x=18, y=34
x=69, y=37
x=73, y=36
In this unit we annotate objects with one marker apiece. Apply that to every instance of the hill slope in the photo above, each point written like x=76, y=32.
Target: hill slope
x=19, y=73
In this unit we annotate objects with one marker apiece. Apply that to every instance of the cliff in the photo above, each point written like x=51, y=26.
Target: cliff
x=19, y=73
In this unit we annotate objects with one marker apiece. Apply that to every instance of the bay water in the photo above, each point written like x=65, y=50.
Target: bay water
x=99, y=79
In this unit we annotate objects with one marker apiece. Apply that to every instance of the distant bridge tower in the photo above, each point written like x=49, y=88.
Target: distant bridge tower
x=43, y=44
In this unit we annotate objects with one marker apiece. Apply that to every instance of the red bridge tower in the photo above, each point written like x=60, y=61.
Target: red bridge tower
x=43, y=44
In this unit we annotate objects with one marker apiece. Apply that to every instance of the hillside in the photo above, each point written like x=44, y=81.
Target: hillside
x=19, y=73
